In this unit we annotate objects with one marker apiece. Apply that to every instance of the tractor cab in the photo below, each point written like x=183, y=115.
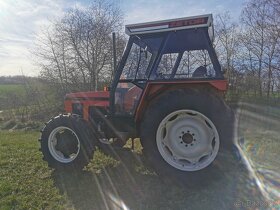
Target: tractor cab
x=169, y=51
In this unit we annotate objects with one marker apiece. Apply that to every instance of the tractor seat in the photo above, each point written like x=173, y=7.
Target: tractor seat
x=200, y=72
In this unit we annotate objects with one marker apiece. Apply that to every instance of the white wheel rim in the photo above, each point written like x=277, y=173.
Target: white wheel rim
x=52, y=143
x=187, y=140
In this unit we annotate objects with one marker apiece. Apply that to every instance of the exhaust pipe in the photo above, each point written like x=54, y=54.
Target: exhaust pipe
x=114, y=52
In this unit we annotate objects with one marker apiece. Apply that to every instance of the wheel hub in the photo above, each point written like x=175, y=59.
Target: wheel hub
x=66, y=143
x=187, y=138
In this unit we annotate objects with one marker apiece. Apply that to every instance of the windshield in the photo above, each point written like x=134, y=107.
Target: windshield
x=137, y=63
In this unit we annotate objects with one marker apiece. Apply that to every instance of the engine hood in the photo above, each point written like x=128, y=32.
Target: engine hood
x=90, y=95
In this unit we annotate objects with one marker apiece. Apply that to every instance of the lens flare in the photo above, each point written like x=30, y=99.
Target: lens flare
x=259, y=125
x=117, y=203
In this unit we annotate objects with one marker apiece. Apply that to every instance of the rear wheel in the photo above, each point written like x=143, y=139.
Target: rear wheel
x=187, y=135
x=66, y=142
x=187, y=140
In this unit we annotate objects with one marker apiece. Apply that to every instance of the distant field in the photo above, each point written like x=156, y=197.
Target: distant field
x=19, y=103
x=10, y=88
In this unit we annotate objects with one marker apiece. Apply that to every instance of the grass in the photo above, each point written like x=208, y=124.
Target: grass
x=26, y=182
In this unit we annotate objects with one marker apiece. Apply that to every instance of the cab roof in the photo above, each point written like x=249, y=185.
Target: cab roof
x=170, y=25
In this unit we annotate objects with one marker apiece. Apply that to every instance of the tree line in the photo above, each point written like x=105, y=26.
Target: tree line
x=249, y=50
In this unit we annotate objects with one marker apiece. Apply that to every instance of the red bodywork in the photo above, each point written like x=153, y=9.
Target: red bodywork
x=87, y=99
x=152, y=89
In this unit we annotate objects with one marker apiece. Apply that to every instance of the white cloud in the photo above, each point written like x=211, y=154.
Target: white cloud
x=20, y=21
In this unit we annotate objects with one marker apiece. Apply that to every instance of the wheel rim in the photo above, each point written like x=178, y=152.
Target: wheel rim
x=64, y=144
x=187, y=140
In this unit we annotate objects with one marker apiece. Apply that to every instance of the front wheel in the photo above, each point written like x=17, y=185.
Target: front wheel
x=66, y=142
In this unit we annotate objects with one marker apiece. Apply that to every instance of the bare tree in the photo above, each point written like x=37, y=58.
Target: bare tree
x=75, y=52
x=261, y=41
x=253, y=18
x=272, y=51
x=227, y=44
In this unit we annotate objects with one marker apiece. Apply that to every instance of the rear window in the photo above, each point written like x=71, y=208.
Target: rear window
x=195, y=64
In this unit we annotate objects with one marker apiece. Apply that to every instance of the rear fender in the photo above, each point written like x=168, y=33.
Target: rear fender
x=156, y=88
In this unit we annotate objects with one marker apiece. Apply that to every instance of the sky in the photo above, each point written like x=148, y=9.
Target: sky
x=22, y=20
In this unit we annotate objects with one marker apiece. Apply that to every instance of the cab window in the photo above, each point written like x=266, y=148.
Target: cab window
x=195, y=64
x=137, y=63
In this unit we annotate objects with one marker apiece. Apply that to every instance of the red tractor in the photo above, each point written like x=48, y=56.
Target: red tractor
x=167, y=90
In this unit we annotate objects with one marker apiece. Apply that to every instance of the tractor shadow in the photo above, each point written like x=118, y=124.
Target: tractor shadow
x=129, y=184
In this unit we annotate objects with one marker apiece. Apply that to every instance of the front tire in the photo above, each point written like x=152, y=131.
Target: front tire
x=66, y=142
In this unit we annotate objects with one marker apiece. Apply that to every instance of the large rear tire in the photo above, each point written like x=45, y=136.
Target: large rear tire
x=187, y=136
x=66, y=142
